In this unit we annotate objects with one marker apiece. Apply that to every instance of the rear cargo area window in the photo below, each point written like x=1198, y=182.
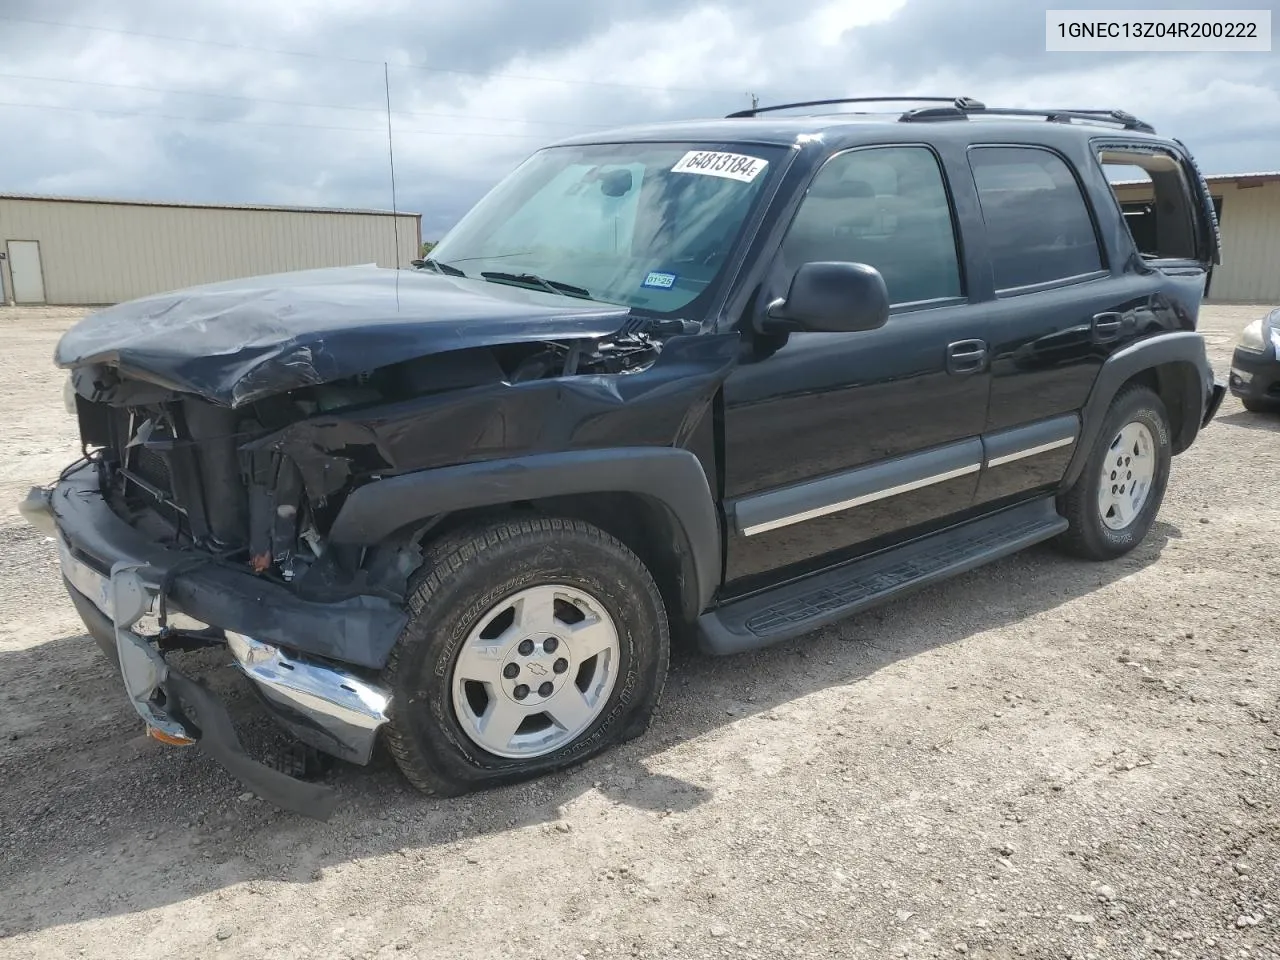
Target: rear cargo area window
x=1038, y=225
x=1155, y=198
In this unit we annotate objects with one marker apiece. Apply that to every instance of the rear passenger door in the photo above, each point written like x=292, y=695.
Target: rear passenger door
x=1056, y=311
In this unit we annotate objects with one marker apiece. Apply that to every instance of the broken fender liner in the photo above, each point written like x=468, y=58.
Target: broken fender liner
x=672, y=477
x=218, y=739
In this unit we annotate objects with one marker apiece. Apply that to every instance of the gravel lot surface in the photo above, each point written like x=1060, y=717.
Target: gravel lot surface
x=1045, y=758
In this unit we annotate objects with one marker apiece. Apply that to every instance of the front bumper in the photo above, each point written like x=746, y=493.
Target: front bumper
x=1255, y=376
x=115, y=577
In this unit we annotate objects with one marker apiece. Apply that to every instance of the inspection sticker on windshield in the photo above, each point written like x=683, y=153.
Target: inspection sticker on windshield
x=662, y=281
x=733, y=166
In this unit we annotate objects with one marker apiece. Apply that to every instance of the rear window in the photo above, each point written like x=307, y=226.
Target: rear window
x=1038, y=224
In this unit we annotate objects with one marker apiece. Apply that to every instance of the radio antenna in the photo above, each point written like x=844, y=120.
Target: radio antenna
x=391, y=160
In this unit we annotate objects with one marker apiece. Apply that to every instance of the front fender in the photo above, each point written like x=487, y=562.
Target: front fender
x=671, y=476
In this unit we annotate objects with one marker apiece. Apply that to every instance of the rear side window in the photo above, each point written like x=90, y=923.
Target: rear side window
x=1156, y=200
x=886, y=207
x=1038, y=225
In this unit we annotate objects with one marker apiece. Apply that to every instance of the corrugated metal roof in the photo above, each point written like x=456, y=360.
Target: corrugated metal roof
x=201, y=206
x=1263, y=177
x=1268, y=174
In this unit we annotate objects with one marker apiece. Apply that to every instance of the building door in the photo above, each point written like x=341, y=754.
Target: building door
x=25, y=271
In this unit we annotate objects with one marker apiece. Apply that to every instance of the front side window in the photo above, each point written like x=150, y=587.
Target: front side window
x=886, y=207
x=643, y=225
x=1038, y=226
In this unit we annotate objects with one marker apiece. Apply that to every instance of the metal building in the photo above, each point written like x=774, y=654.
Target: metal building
x=1248, y=207
x=63, y=250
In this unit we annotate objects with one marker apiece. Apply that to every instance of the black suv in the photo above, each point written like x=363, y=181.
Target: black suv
x=731, y=379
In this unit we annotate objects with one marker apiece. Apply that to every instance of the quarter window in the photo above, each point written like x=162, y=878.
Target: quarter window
x=886, y=207
x=1038, y=226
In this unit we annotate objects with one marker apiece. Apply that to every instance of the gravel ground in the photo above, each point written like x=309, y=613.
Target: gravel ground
x=1045, y=758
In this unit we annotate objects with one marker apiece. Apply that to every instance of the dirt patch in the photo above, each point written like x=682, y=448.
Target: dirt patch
x=1045, y=758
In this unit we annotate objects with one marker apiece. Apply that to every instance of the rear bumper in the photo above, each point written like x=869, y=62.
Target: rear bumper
x=1212, y=402
x=115, y=578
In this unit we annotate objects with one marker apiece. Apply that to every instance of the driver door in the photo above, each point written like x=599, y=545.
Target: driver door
x=839, y=443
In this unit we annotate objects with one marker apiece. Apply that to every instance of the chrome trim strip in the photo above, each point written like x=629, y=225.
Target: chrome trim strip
x=860, y=500
x=1030, y=451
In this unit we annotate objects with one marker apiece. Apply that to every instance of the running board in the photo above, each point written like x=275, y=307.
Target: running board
x=796, y=608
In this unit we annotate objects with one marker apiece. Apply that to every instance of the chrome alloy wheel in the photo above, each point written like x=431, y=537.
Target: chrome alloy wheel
x=536, y=671
x=1127, y=472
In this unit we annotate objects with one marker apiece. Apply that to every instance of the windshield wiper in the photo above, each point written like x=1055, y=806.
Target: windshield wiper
x=533, y=280
x=446, y=268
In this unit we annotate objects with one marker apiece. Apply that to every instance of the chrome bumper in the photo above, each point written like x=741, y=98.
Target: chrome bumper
x=324, y=705
x=327, y=707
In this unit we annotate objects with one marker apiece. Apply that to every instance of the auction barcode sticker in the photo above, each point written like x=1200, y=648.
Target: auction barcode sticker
x=1162, y=31
x=711, y=163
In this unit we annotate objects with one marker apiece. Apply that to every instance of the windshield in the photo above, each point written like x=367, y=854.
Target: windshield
x=643, y=225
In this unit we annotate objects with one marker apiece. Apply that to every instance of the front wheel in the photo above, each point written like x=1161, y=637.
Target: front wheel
x=533, y=645
x=1114, y=502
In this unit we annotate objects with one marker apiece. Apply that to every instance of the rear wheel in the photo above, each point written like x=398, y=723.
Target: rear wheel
x=1112, y=505
x=532, y=645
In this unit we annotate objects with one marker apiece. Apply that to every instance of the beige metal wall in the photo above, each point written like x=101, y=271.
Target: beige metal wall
x=1250, y=270
x=1250, y=224
x=95, y=253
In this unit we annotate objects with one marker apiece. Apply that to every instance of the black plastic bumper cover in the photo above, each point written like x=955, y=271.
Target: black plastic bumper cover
x=359, y=631
x=216, y=734
x=218, y=739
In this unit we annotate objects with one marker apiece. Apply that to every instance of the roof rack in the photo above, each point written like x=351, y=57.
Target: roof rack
x=958, y=103
x=961, y=108
x=956, y=112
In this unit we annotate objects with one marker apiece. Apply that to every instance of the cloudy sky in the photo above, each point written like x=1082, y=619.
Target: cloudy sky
x=282, y=101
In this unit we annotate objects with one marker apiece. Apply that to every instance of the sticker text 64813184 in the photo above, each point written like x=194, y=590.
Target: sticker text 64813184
x=733, y=166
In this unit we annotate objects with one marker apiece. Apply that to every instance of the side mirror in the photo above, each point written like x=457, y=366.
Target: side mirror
x=831, y=297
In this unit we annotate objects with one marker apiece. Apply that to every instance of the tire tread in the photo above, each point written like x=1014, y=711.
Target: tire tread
x=445, y=558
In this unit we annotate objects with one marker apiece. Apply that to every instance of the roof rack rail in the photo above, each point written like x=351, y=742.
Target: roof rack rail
x=957, y=103
x=957, y=112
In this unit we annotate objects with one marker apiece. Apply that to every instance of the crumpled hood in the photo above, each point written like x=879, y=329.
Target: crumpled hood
x=242, y=340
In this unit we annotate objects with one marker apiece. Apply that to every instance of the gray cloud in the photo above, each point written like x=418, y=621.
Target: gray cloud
x=456, y=132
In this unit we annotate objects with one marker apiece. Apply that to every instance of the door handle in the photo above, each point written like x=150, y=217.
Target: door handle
x=966, y=356
x=1106, y=327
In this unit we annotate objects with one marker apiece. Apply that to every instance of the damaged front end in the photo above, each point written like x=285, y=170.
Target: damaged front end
x=189, y=506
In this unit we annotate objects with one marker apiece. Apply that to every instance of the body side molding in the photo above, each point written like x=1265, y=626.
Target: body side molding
x=1030, y=440
x=762, y=512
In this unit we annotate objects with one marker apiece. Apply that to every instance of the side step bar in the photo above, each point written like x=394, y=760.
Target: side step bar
x=796, y=608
